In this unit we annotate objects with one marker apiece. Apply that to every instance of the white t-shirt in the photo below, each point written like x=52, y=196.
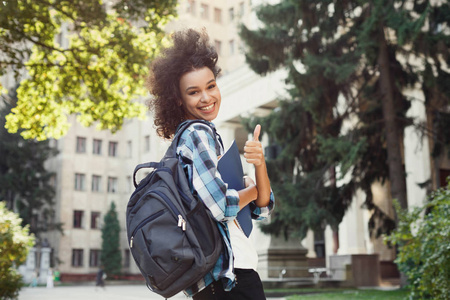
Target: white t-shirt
x=245, y=255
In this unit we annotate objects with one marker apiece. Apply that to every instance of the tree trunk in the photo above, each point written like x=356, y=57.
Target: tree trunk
x=393, y=142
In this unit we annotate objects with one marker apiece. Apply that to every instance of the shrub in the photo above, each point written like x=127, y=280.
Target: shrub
x=15, y=241
x=423, y=242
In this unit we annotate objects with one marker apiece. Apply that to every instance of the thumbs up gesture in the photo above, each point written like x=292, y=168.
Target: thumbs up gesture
x=253, y=151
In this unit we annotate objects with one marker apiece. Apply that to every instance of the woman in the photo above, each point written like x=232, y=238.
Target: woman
x=183, y=83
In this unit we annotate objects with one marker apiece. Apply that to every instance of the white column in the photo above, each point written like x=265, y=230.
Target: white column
x=351, y=229
x=417, y=152
x=29, y=267
x=308, y=243
x=45, y=264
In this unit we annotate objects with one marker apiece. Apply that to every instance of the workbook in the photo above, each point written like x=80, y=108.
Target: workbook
x=230, y=168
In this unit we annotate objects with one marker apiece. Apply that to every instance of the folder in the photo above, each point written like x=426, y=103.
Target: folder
x=230, y=168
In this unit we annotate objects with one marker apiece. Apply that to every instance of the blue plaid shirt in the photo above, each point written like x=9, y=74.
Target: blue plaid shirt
x=198, y=152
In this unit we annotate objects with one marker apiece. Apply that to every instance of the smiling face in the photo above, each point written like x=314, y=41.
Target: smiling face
x=200, y=94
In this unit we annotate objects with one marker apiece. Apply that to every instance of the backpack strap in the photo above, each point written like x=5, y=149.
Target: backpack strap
x=173, y=147
x=184, y=125
x=147, y=165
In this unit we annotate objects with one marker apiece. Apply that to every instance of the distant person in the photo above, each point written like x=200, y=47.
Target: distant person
x=50, y=278
x=34, y=279
x=100, y=279
x=57, y=276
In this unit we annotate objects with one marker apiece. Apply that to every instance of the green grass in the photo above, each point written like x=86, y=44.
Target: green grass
x=354, y=294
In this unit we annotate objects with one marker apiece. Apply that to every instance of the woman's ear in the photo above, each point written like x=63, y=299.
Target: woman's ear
x=178, y=99
x=181, y=106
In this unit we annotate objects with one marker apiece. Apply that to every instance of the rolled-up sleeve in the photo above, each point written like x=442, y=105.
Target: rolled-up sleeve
x=198, y=152
x=260, y=213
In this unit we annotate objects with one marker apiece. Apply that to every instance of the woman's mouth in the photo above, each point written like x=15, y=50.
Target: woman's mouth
x=209, y=107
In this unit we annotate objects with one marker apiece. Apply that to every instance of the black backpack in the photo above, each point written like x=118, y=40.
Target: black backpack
x=171, y=235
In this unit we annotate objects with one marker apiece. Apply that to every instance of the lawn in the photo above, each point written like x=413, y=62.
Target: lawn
x=354, y=294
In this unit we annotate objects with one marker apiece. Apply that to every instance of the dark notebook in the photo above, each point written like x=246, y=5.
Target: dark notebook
x=230, y=168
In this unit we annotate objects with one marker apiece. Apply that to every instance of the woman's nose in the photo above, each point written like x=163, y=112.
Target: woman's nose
x=205, y=97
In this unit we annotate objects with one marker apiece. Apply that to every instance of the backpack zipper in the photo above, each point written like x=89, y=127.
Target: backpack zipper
x=181, y=222
x=145, y=221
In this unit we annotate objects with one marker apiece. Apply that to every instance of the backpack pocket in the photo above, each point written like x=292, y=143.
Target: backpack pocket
x=151, y=243
x=205, y=231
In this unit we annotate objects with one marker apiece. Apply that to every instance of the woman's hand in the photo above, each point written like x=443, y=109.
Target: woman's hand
x=253, y=151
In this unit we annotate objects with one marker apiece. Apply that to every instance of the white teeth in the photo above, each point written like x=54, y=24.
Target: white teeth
x=207, y=107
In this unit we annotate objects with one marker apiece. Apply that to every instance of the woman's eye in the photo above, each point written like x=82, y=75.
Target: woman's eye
x=212, y=86
x=192, y=93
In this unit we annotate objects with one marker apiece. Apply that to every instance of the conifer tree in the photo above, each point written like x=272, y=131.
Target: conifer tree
x=111, y=257
x=25, y=183
x=348, y=63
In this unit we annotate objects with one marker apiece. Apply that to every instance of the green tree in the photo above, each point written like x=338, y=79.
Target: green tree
x=25, y=184
x=87, y=58
x=111, y=257
x=15, y=241
x=348, y=64
x=423, y=239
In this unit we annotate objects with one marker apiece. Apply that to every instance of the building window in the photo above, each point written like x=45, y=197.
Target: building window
x=319, y=243
x=218, y=46
x=78, y=218
x=59, y=39
x=129, y=184
x=79, y=181
x=97, y=147
x=77, y=257
x=96, y=183
x=81, y=145
x=204, y=11
x=129, y=149
x=191, y=7
x=231, y=44
x=231, y=14
x=218, y=15
x=126, y=258
x=147, y=143
x=241, y=9
x=94, y=258
x=112, y=150
x=112, y=185
x=95, y=220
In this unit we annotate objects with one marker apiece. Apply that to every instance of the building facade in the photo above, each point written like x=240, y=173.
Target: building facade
x=94, y=168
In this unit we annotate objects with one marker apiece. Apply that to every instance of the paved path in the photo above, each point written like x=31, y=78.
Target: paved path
x=89, y=292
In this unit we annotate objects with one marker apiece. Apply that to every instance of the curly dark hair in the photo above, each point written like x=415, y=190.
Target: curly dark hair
x=191, y=50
